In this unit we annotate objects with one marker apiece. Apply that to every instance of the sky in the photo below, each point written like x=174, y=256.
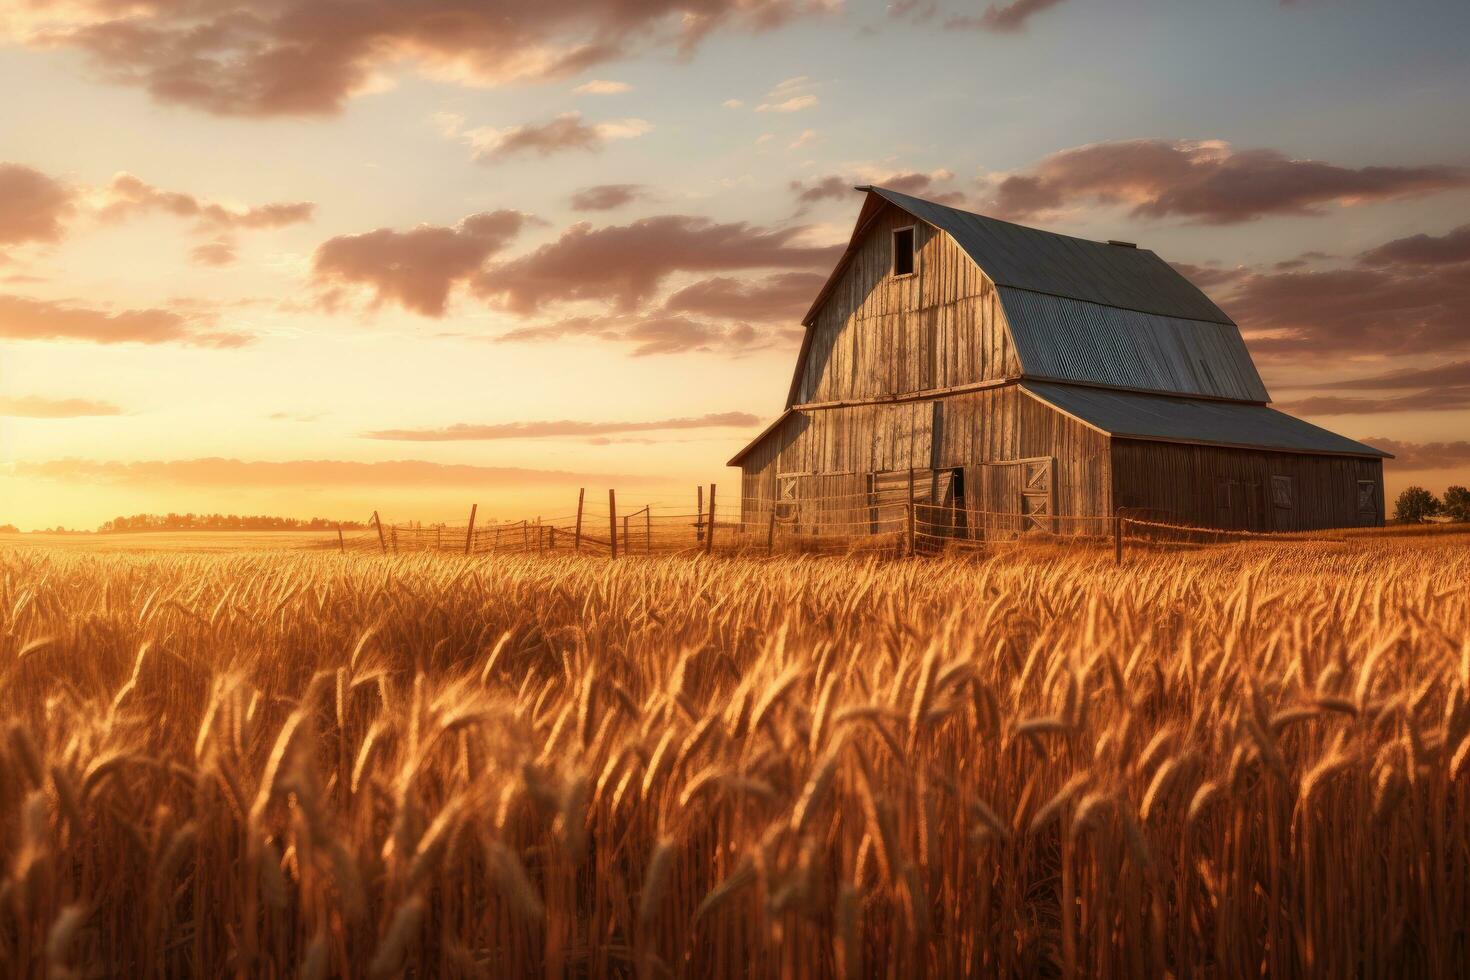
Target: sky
x=298, y=258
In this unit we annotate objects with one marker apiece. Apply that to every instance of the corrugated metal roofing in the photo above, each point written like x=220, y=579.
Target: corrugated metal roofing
x=1130, y=415
x=1070, y=340
x=1045, y=262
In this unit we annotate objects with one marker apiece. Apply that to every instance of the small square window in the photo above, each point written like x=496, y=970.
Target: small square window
x=1282, y=492
x=903, y=251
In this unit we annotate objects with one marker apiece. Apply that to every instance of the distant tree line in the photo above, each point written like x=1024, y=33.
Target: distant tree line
x=223, y=522
x=1416, y=504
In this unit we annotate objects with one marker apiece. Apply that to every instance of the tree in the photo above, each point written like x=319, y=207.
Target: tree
x=1457, y=503
x=1415, y=504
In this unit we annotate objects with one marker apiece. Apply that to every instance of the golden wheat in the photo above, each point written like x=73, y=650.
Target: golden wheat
x=1224, y=763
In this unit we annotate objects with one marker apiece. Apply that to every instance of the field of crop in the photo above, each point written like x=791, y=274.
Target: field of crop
x=1229, y=762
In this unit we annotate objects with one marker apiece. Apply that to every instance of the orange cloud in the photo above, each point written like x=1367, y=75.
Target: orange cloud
x=624, y=264
x=566, y=132
x=33, y=206
x=1423, y=455
x=783, y=296
x=37, y=407
x=304, y=57
x=1206, y=180
x=658, y=334
x=305, y=474
x=1005, y=18
x=23, y=318
x=415, y=269
x=606, y=197
x=566, y=427
x=127, y=196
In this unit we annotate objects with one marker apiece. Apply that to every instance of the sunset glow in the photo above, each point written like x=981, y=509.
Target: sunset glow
x=410, y=257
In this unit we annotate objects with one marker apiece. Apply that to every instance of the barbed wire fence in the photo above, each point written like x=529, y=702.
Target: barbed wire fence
x=883, y=522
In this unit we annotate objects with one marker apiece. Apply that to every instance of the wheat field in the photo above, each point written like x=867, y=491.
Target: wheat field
x=1222, y=763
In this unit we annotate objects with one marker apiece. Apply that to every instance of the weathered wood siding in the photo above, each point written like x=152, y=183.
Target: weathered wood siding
x=1232, y=488
x=878, y=336
x=966, y=430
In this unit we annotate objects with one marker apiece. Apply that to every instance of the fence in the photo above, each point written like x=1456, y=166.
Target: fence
x=878, y=522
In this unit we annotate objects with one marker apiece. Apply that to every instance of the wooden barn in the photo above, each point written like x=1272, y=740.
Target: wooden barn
x=1006, y=379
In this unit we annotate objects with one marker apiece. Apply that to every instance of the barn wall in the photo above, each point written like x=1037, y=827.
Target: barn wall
x=1184, y=484
x=843, y=445
x=878, y=336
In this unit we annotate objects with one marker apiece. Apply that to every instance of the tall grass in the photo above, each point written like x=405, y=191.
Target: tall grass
x=1250, y=760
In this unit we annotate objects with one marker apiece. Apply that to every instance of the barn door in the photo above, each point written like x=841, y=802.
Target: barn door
x=1368, y=502
x=1037, y=503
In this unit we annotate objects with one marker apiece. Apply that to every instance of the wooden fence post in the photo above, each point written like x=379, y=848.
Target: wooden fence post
x=378, y=523
x=648, y=527
x=394, y=530
x=577, y=540
x=538, y=533
x=911, y=510
x=771, y=530
x=469, y=534
x=612, y=522
x=699, y=514
x=341, y=545
x=1118, y=539
x=709, y=538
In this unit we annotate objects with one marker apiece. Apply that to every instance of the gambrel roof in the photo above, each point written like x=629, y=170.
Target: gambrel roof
x=1088, y=312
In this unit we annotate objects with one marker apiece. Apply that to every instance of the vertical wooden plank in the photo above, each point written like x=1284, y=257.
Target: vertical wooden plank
x=378, y=523
x=469, y=534
x=577, y=541
x=612, y=521
x=709, y=539
x=341, y=544
x=699, y=512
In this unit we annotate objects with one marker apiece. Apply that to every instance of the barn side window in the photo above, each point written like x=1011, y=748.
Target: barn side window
x=903, y=251
x=1282, y=492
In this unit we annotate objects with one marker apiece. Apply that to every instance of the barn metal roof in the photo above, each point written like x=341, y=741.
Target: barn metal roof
x=1060, y=265
x=1071, y=340
x=1130, y=415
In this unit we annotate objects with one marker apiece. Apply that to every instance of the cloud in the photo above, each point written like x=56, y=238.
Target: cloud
x=1429, y=400
x=1452, y=374
x=218, y=252
x=1353, y=311
x=840, y=187
x=305, y=57
x=784, y=296
x=806, y=136
x=415, y=269
x=565, y=427
x=37, y=407
x=565, y=132
x=1207, y=181
x=794, y=104
x=733, y=103
x=303, y=474
x=655, y=334
x=1422, y=455
x=1003, y=18
x=22, y=318
x=1422, y=250
x=128, y=196
x=601, y=86
x=625, y=264
x=1206, y=276
x=33, y=206
x=606, y=197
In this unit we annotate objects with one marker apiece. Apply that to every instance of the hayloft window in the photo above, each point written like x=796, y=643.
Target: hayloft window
x=903, y=251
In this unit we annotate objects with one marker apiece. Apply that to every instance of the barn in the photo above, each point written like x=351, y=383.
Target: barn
x=1007, y=379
